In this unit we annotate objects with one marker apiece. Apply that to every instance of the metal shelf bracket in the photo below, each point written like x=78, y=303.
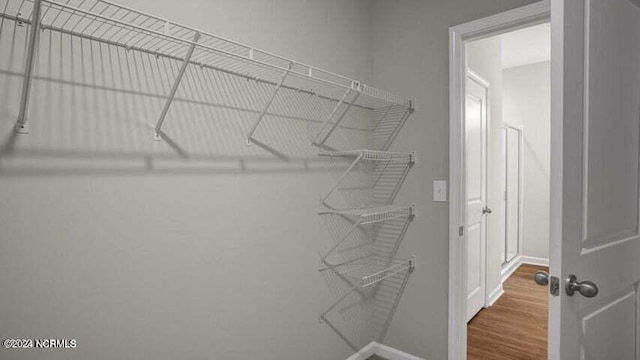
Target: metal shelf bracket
x=176, y=83
x=253, y=129
x=21, y=126
x=329, y=118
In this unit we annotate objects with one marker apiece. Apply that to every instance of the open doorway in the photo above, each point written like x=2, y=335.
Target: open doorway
x=507, y=141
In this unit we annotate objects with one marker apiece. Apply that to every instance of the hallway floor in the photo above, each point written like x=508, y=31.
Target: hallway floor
x=515, y=327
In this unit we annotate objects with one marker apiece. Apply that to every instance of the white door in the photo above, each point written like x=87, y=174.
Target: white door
x=513, y=172
x=476, y=174
x=594, y=166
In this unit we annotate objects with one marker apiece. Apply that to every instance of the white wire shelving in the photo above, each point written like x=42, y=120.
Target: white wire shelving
x=367, y=307
x=365, y=232
x=359, y=174
x=345, y=103
x=369, y=270
x=386, y=122
x=107, y=22
x=371, y=155
x=364, y=216
x=376, y=269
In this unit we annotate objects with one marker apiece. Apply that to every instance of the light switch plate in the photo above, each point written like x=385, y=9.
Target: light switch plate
x=440, y=191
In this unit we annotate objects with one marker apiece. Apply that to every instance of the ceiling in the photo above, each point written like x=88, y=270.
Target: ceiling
x=526, y=46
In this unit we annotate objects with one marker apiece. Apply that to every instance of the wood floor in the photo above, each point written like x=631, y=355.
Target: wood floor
x=515, y=327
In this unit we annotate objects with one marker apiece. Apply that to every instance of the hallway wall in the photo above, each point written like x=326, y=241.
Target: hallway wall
x=527, y=98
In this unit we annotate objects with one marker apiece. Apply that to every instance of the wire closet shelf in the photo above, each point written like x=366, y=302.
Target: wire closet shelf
x=371, y=270
x=385, y=170
x=363, y=233
x=113, y=24
x=366, y=216
x=367, y=307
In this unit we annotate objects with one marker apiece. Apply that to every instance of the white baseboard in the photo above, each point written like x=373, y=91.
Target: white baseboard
x=535, y=261
x=511, y=267
x=495, y=295
x=385, y=351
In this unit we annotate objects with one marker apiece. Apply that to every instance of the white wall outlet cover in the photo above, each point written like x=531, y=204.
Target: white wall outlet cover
x=440, y=190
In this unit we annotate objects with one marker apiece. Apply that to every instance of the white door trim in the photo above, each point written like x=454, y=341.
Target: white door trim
x=536, y=13
x=521, y=164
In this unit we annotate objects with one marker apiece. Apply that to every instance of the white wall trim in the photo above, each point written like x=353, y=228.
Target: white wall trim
x=385, y=351
x=511, y=267
x=495, y=295
x=514, y=264
x=510, y=20
x=532, y=260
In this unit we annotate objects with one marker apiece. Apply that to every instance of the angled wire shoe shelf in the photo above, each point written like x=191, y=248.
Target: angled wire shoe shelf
x=367, y=293
x=109, y=23
x=360, y=267
x=359, y=233
x=366, y=176
x=386, y=120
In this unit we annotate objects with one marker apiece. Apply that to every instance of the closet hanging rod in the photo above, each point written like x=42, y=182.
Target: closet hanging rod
x=84, y=16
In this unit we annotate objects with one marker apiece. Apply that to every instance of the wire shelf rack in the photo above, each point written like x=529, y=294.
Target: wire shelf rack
x=371, y=155
x=360, y=233
x=373, y=215
x=372, y=269
x=367, y=294
x=383, y=126
x=365, y=178
x=107, y=22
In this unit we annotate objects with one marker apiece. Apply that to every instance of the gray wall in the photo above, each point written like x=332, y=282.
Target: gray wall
x=527, y=104
x=139, y=255
x=411, y=55
x=485, y=58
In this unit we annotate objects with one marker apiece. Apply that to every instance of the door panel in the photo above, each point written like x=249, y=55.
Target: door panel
x=608, y=327
x=611, y=118
x=476, y=142
x=595, y=173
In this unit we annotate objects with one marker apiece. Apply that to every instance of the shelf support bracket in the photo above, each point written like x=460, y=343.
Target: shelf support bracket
x=396, y=302
x=340, y=334
x=399, y=127
x=268, y=104
x=176, y=84
x=21, y=126
x=337, y=244
x=342, y=177
x=331, y=115
x=337, y=302
x=335, y=124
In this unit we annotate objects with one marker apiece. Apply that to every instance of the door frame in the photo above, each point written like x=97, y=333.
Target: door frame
x=520, y=131
x=521, y=17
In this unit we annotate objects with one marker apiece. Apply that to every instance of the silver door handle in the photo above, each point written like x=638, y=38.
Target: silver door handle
x=486, y=210
x=585, y=288
x=541, y=278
